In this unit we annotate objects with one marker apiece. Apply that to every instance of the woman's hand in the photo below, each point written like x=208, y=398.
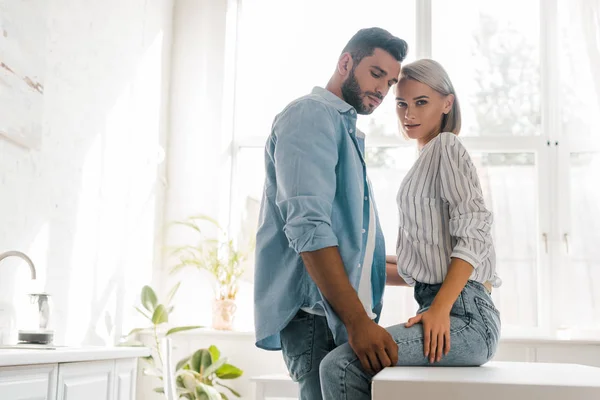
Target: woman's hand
x=436, y=331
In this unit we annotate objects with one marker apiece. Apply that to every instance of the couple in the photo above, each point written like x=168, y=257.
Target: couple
x=321, y=266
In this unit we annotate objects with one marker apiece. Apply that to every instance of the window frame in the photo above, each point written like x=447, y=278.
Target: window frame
x=551, y=149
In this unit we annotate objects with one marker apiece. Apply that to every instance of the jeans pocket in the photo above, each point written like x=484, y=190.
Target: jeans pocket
x=297, y=340
x=491, y=322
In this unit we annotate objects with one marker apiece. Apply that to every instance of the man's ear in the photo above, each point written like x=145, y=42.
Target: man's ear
x=345, y=64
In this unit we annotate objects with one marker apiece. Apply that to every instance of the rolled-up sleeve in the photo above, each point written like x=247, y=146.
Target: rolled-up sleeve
x=305, y=159
x=470, y=220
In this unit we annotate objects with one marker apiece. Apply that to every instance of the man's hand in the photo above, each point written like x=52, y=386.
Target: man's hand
x=374, y=346
x=436, y=331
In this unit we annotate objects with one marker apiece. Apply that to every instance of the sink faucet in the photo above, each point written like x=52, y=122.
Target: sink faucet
x=21, y=255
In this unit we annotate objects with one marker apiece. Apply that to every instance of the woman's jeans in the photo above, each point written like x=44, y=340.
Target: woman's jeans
x=326, y=372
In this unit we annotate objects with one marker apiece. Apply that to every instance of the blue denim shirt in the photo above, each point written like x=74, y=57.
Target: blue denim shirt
x=316, y=195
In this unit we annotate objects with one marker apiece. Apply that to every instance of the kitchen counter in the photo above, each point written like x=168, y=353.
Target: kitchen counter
x=15, y=356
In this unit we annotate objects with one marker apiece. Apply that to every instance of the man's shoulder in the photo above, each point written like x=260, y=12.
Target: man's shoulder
x=310, y=102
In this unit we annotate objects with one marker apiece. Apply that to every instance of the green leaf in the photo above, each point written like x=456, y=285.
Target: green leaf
x=207, y=392
x=148, y=298
x=207, y=219
x=215, y=366
x=181, y=363
x=160, y=315
x=172, y=293
x=228, y=371
x=134, y=331
x=223, y=396
x=159, y=390
x=182, y=329
x=189, y=225
x=235, y=393
x=144, y=313
x=200, y=361
x=214, y=353
x=188, y=380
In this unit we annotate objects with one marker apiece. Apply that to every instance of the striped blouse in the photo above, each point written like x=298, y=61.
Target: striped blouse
x=443, y=216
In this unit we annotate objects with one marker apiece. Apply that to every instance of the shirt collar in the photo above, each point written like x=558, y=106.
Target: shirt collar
x=332, y=99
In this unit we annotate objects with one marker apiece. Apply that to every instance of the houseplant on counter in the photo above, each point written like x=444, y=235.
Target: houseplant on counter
x=222, y=259
x=197, y=375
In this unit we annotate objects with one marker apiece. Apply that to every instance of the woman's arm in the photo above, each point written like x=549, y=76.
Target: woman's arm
x=458, y=275
x=392, y=278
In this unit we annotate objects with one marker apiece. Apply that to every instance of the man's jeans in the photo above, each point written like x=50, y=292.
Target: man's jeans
x=326, y=372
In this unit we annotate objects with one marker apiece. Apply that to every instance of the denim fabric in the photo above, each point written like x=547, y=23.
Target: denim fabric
x=474, y=335
x=305, y=341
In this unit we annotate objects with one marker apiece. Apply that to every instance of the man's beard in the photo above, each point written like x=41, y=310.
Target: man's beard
x=354, y=96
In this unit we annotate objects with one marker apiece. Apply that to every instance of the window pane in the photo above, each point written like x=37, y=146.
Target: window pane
x=246, y=198
x=492, y=57
x=286, y=48
x=579, y=61
x=509, y=182
x=580, y=278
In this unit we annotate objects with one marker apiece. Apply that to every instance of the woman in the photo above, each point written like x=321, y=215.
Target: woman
x=444, y=246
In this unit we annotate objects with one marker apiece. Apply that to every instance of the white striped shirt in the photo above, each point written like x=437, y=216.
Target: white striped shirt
x=443, y=216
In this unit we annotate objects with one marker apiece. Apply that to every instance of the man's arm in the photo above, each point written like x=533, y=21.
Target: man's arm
x=305, y=158
x=372, y=344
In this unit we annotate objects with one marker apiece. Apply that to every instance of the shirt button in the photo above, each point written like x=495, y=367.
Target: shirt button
x=364, y=230
x=352, y=112
x=358, y=266
x=350, y=130
x=366, y=198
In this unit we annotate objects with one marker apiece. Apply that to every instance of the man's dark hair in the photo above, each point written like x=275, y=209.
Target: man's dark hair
x=365, y=41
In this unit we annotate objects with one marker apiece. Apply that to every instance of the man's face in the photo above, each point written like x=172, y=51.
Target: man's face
x=369, y=82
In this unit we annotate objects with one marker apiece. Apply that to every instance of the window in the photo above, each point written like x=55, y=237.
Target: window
x=529, y=98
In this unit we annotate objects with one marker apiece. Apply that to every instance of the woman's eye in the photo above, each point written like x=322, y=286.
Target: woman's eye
x=421, y=102
x=401, y=105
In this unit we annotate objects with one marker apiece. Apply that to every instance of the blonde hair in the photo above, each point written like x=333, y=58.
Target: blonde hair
x=432, y=74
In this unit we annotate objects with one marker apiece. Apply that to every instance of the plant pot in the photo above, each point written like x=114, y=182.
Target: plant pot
x=223, y=314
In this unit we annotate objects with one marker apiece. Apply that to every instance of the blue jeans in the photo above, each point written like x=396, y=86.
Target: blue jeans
x=474, y=335
x=305, y=342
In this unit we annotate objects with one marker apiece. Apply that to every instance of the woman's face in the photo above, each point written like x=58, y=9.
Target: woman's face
x=420, y=109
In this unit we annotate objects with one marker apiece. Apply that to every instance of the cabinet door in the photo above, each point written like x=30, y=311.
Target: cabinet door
x=125, y=378
x=86, y=380
x=28, y=382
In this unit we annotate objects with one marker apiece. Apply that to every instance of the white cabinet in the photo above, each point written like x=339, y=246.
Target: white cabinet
x=28, y=382
x=86, y=380
x=125, y=379
x=89, y=380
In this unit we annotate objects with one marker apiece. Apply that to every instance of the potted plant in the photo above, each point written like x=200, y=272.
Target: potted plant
x=220, y=257
x=198, y=375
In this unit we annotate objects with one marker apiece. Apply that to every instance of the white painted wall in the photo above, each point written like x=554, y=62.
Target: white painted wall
x=87, y=203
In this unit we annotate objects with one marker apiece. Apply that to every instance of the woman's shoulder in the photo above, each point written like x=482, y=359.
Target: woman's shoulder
x=449, y=139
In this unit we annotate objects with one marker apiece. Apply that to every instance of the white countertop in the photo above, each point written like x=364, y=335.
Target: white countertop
x=26, y=356
x=497, y=372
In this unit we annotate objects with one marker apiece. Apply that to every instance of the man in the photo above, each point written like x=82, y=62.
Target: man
x=320, y=254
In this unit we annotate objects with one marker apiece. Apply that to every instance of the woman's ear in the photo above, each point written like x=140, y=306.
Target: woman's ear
x=448, y=103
